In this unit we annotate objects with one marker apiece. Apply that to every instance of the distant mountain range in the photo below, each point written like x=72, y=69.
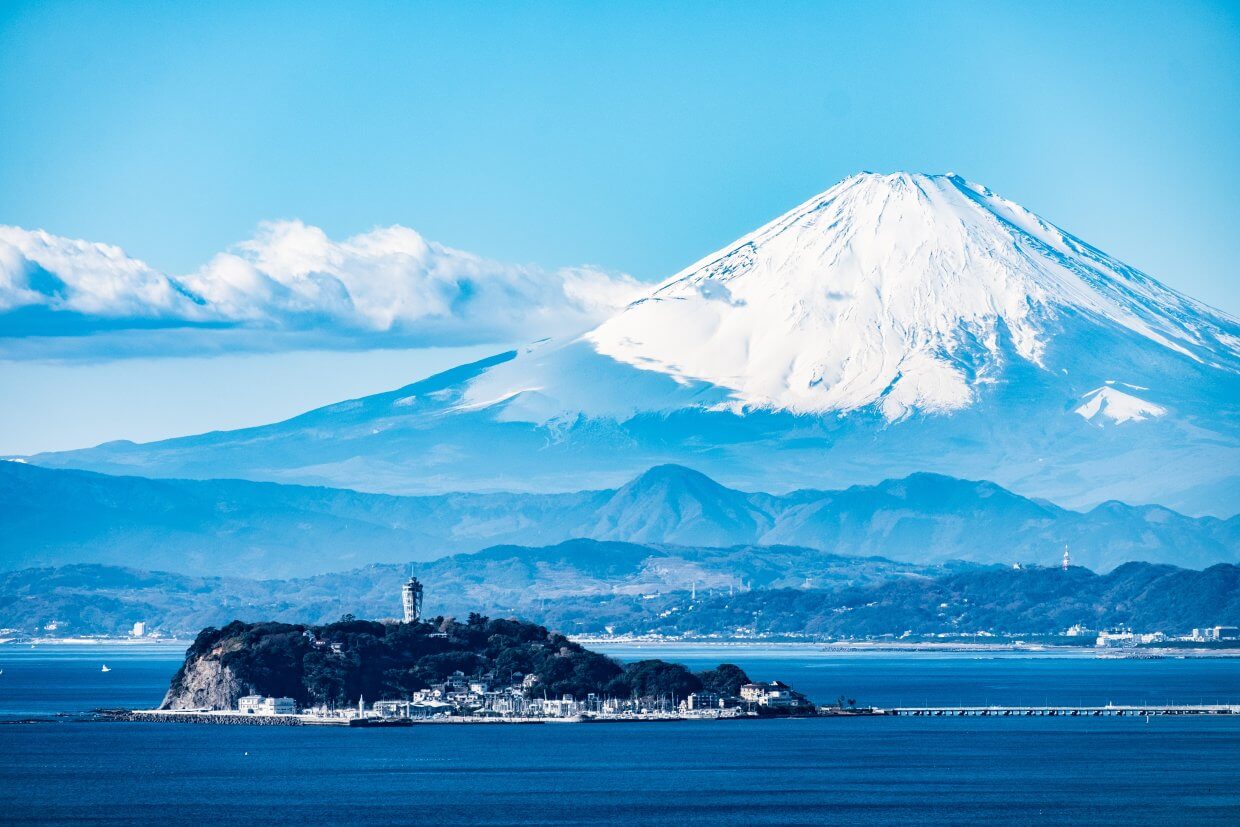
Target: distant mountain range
x=998, y=600
x=589, y=587
x=892, y=324
x=262, y=530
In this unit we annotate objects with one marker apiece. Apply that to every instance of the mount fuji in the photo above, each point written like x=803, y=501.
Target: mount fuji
x=892, y=324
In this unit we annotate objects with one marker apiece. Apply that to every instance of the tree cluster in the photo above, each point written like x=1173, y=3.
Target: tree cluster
x=337, y=663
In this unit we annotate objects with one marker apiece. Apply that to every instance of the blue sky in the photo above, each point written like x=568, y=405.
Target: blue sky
x=631, y=137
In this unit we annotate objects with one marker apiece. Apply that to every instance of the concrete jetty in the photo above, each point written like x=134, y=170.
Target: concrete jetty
x=1147, y=710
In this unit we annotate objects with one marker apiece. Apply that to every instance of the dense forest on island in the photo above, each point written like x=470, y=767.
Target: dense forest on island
x=338, y=663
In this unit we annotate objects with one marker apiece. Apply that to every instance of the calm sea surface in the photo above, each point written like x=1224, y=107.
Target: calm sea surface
x=866, y=770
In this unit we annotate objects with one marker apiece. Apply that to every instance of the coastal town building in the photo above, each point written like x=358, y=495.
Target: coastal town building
x=1116, y=637
x=565, y=707
x=702, y=700
x=1214, y=633
x=773, y=694
x=260, y=705
x=482, y=697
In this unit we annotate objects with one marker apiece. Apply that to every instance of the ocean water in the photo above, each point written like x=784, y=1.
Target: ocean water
x=829, y=771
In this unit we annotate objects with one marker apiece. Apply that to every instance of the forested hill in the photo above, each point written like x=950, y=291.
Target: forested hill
x=651, y=590
x=339, y=663
x=502, y=581
x=1037, y=600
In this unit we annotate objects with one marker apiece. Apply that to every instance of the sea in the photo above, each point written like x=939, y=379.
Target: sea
x=59, y=767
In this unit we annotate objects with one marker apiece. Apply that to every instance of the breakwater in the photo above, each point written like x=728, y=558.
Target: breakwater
x=1059, y=711
x=219, y=718
x=232, y=717
x=239, y=719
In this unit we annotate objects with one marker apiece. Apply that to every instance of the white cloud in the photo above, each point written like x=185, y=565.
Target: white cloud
x=67, y=275
x=296, y=286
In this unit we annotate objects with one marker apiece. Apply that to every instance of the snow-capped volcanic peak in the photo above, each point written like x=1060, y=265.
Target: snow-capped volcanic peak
x=900, y=291
x=1110, y=403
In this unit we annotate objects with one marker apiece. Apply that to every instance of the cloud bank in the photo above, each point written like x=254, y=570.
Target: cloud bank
x=290, y=286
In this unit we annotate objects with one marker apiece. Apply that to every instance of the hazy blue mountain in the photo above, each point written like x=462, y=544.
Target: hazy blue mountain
x=893, y=324
x=241, y=528
x=258, y=529
x=672, y=504
x=984, y=522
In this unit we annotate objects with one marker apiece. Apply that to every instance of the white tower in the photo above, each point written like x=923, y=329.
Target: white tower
x=411, y=600
x=1066, y=560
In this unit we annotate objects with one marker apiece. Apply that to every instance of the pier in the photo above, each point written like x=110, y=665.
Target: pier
x=1062, y=711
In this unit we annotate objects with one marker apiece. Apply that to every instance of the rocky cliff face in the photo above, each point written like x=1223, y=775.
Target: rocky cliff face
x=203, y=682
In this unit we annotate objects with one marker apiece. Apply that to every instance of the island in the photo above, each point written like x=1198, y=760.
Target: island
x=370, y=673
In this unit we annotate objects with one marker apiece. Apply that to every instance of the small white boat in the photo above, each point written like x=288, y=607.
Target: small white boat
x=105, y=668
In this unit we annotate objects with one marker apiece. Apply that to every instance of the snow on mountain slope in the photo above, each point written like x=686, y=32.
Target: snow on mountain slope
x=1119, y=407
x=895, y=291
x=893, y=324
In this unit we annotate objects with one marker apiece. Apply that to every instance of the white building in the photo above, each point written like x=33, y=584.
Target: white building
x=566, y=707
x=702, y=700
x=139, y=629
x=772, y=694
x=259, y=705
x=411, y=709
x=1216, y=633
x=1120, y=637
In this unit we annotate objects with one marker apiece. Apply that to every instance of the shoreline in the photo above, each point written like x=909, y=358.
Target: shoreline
x=234, y=718
x=167, y=643
x=741, y=644
x=929, y=647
